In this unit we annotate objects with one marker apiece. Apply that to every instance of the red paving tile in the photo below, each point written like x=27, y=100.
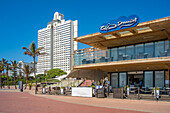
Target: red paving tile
x=17, y=102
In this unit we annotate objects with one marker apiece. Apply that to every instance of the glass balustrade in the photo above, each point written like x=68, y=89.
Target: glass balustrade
x=131, y=52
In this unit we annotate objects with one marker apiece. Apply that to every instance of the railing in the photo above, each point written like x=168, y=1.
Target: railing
x=131, y=52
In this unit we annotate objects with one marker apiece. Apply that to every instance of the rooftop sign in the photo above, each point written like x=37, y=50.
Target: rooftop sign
x=121, y=23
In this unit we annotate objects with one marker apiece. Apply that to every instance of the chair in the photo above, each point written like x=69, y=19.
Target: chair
x=90, y=62
x=141, y=55
x=106, y=60
x=128, y=58
x=102, y=59
x=94, y=60
x=120, y=57
x=58, y=91
x=150, y=56
x=84, y=61
x=124, y=57
x=110, y=59
x=163, y=54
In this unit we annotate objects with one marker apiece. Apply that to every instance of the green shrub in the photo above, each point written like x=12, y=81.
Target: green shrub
x=38, y=80
x=93, y=86
x=44, y=85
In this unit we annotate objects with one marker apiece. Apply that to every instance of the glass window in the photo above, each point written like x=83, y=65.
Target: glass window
x=114, y=80
x=148, y=79
x=122, y=79
x=167, y=48
x=159, y=48
x=139, y=51
x=148, y=50
x=159, y=78
x=114, y=54
x=121, y=53
x=130, y=52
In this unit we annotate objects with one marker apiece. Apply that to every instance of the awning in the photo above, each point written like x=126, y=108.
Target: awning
x=95, y=75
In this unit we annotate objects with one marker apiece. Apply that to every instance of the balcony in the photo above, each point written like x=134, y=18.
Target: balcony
x=124, y=53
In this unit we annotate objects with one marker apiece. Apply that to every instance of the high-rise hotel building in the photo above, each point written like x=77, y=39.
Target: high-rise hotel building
x=57, y=40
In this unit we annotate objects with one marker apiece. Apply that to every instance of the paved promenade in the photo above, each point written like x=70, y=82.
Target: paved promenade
x=17, y=102
x=67, y=104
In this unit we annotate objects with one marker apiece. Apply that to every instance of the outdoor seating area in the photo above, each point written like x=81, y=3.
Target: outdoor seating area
x=100, y=91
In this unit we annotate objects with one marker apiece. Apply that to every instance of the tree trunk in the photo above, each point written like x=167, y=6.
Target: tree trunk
x=26, y=81
x=8, y=79
x=15, y=82
x=35, y=77
x=3, y=79
x=0, y=81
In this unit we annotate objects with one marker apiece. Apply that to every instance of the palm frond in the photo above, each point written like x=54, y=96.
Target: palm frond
x=1, y=68
x=13, y=64
x=38, y=49
x=4, y=61
x=44, y=53
x=25, y=49
x=28, y=53
x=32, y=47
x=27, y=69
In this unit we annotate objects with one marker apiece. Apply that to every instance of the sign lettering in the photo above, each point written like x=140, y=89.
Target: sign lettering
x=121, y=23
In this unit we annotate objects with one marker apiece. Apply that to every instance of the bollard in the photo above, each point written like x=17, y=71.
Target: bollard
x=138, y=93
x=156, y=94
x=107, y=91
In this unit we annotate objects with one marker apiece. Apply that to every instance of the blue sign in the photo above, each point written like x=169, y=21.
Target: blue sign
x=121, y=23
x=20, y=85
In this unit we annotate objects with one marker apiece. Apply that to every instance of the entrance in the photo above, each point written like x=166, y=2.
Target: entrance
x=135, y=79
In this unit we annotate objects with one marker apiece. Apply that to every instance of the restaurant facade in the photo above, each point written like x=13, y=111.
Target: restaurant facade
x=133, y=53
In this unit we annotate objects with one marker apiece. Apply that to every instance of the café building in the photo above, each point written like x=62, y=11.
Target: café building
x=134, y=53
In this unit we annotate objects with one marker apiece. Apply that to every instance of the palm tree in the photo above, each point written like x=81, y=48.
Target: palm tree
x=13, y=68
x=4, y=62
x=1, y=69
x=32, y=51
x=27, y=72
x=7, y=69
x=20, y=72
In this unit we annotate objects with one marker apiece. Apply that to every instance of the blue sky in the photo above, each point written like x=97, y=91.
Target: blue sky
x=20, y=20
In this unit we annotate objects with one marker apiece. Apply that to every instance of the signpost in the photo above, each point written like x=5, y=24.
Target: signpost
x=122, y=22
